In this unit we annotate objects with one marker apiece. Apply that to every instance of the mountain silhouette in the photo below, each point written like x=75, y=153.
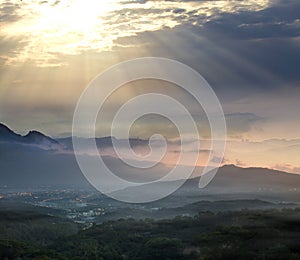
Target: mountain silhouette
x=36, y=159
x=6, y=134
x=32, y=138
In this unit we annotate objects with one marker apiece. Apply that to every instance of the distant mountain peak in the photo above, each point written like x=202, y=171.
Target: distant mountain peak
x=37, y=137
x=33, y=137
x=2, y=126
x=34, y=134
x=5, y=129
x=7, y=133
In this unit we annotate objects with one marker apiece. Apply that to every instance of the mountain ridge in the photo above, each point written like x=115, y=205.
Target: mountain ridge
x=7, y=133
x=33, y=137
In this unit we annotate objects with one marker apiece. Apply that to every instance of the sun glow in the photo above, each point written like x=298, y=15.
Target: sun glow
x=48, y=29
x=80, y=16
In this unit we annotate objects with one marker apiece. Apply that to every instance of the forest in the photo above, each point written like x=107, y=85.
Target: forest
x=245, y=234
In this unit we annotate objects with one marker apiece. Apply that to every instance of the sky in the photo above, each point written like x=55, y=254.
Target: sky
x=248, y=51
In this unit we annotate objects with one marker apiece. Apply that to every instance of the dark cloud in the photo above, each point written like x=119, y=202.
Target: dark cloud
x=122, y=18
x=8, y=12
x=179, y=11
x=238, y=53
x=281, y=20
x=48, y=2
